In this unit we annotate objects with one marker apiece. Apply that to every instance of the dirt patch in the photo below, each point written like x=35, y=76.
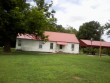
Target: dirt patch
x=77, y=78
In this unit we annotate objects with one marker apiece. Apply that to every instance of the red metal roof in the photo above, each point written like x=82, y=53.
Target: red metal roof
x=94, y=43
x=61, y=37
x=53, y=36
x=28, y=36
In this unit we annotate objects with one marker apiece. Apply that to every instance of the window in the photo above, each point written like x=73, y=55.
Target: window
x=40, y=44
x=19, y=42
x=51, y=45
x=61, y=46
x=72, y=47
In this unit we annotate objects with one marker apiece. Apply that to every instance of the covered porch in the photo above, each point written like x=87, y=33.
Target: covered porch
x=60, y=46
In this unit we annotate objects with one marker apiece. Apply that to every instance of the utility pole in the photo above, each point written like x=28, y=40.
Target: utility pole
x=91, y=45
x=100, y=48
x=101, y=32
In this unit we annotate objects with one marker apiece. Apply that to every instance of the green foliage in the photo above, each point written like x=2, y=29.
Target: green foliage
x=91, y=50
x=95, y=51
x=49, y=13
x=60, y=28
x=11, y=20
x=71, y=30
x=35, y=22
x=52, y=26
x=88, y=50
x=90, y=30
x=41, y=5
x=105, y=51
x=107, y=27
x=17, y=17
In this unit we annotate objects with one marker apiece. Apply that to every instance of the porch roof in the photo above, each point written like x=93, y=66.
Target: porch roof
x=61, y=43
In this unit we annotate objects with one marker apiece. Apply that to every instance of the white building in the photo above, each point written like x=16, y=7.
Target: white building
x=57, y=42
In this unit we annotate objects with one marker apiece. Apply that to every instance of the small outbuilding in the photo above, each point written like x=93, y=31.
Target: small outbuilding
x=96, y=44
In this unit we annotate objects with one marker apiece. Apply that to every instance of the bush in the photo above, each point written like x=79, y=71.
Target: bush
x=94, y=51
x=87, y=50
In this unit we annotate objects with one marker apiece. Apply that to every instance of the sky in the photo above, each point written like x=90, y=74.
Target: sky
x=76, y=12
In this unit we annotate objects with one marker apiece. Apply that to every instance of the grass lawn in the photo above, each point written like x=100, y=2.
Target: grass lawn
x=53, y=68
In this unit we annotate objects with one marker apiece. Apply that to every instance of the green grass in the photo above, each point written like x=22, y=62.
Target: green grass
x=27, y=67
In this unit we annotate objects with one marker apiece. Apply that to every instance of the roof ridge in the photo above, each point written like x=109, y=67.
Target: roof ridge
x=60, y=32
x=95, y=40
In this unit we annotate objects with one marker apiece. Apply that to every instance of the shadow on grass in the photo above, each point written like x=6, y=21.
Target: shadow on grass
x=19, y=52
x=15, y=52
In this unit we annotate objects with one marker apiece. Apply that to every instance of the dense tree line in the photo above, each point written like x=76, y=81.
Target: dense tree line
x=60, y=28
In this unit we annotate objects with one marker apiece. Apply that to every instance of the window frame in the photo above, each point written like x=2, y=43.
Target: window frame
x=51, y=45
x=72, y=47
x=40, y=45
x=19, y=42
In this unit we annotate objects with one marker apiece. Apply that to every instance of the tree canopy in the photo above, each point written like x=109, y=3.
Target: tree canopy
x=60, y=28
x=16, y=16
x=11, y=20
x=90, y=30
x=107, y=27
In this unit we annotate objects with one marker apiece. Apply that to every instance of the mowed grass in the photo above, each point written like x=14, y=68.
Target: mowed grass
x=53, y=68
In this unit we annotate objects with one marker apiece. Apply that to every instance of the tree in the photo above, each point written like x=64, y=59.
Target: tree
x=90, y=30
x=17, y=17
x=11, y=17
x=36, y=22
x=49, y=13
x=70, y=29
x=60, y=28
x=107, y=27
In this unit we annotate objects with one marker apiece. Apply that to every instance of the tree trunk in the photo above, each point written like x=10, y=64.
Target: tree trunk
x=7, y=47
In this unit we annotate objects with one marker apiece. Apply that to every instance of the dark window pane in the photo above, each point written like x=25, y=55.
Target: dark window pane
x=51, y=45
x=72, y=47
x=61, y=46
x=19, y=42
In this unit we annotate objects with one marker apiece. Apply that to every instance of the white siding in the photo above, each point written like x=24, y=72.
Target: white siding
x=18, y=47
x=67, y=48
x=33, y=45
x=76, y=49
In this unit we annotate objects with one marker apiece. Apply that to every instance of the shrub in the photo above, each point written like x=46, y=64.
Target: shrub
x=94, y=51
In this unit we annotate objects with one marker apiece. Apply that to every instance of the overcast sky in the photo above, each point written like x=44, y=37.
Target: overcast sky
x=76, y=12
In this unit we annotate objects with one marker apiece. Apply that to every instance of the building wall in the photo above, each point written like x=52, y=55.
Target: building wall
x=33, y=45
x=17, y=47
x=67, y=48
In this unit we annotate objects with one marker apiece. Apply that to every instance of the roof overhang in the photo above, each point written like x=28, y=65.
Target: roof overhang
x=61, y=43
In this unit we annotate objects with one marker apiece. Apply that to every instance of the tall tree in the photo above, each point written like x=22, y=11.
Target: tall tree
x=11, y=17
x=17, y=17
x=49, y=13
x=36, y=22
x=90, y=30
